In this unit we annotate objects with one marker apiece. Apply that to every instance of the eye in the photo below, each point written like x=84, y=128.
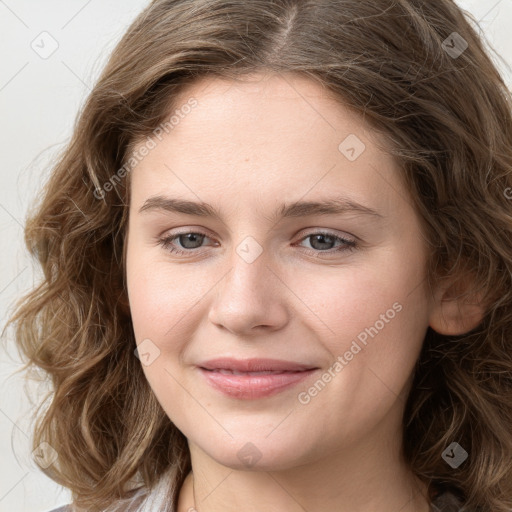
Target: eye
x=319, y=241
x=192, y=240
x=186, y=239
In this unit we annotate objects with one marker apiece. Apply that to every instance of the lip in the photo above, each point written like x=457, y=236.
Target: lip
x=254, y=365
x=253, y=378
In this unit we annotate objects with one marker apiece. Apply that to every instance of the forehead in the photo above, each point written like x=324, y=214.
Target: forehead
x=273, y=135
x=276, y=102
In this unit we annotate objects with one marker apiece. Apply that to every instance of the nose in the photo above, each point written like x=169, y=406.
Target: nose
x=250, y=298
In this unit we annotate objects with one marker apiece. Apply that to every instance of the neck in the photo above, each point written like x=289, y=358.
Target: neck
x=346, y=481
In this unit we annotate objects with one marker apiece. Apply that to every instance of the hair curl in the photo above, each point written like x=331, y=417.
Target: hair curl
x=448, y=121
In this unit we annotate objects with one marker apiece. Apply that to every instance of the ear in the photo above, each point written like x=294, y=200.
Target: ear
x=456, y=310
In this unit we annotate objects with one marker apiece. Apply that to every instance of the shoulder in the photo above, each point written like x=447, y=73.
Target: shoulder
x=64, y=508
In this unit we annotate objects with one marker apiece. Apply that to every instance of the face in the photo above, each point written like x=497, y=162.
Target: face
x=336, y=287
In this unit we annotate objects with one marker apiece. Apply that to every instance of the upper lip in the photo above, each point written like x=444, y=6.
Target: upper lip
x=254, y=365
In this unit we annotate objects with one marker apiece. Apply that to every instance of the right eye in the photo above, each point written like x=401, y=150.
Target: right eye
x=185, y=238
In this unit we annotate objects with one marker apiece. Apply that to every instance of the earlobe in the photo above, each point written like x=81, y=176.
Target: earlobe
x=456, y=312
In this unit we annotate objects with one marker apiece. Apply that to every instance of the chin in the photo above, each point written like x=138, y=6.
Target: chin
x=258, y=455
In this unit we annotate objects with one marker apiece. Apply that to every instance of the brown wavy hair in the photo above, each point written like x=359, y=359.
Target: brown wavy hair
x=448, y=121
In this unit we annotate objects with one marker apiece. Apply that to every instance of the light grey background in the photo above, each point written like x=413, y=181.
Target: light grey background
x=39, y=100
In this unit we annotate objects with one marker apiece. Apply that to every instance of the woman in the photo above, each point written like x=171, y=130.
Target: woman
x=261, y=369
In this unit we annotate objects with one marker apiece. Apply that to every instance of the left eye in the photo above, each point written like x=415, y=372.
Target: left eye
x=188, y=239
x=328, y=238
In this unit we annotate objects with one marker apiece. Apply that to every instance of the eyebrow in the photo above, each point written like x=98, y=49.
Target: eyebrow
x=330, y=206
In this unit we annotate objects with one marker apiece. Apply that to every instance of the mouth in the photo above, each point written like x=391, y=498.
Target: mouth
x=254, y=365
x=253, y=378
x=236, y=372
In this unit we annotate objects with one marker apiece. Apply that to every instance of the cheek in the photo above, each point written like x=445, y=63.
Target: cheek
x=374, y=319
x=374, y=313
x=352, y=297
x=160, y=294
x=161, y=303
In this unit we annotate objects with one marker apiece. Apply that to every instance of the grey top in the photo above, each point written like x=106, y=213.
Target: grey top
x=445, y=502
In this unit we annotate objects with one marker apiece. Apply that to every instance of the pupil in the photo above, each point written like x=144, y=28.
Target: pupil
x=322, y=238
x=190, y=237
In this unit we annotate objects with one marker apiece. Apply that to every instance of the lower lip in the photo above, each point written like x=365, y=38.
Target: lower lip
x=254, y=386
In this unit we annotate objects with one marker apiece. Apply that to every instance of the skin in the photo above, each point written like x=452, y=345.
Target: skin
x=246, y=148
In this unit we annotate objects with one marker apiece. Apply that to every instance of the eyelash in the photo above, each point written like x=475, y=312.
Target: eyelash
x=350, y=245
